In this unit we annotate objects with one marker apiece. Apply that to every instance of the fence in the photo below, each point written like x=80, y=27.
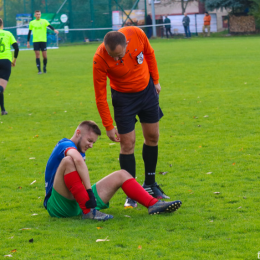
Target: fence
x=83, y=17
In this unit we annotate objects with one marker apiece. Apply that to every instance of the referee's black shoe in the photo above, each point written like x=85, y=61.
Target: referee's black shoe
x=155, y=191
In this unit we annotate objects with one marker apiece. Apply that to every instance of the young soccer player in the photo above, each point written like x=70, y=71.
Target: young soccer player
x=6, y=62
x=68, y=189
x=39, y=28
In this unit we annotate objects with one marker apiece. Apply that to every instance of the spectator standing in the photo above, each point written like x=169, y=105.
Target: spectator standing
x=167, y=23
x=149, y=29
x=207, y=19
x=186, y=25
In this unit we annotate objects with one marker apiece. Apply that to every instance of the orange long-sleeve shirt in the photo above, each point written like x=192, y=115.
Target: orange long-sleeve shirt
x=129, y=75
x=207, y=19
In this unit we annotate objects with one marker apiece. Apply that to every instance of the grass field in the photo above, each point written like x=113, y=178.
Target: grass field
x=210, y=99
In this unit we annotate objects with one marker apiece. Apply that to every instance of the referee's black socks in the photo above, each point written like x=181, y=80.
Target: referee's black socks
x=150, y=156
x=44, y=62
x=38, y=64
x=127, y=162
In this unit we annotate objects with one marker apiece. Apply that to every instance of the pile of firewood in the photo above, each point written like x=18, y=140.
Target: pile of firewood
x=241, y=24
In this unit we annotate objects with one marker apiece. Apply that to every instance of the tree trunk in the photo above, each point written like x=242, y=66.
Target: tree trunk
x=184, y=5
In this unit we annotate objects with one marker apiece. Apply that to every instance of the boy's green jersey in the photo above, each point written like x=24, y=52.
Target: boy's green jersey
x=6, y=40
x=39, y=29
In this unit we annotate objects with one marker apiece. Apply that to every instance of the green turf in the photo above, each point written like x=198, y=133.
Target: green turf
x=210, y=99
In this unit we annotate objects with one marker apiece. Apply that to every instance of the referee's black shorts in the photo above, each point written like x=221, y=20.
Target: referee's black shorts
x=5, y=69
x=127, y=106
x=37, y=46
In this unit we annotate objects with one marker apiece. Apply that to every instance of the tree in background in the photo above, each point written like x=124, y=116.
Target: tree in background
x=255, y=11
x=237, y=6
x=184, y=4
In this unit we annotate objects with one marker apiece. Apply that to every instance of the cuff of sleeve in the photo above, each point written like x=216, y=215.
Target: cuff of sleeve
x=155, y=82
x=108, y=128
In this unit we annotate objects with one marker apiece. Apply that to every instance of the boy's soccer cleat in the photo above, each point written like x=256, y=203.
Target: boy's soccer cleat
x=4, y=113
x=155, y=191
x=129, y=203
x=44, y=70
x=39, y=72
x=164, y=206
x=97, y=215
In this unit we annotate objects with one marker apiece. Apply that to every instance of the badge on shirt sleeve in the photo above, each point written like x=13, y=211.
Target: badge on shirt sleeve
x=140, y=58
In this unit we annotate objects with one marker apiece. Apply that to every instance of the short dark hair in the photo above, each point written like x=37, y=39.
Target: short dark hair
x=1, y=22
x=112, y=39
x=90, y=125
x=37, y=11
x=206, y=12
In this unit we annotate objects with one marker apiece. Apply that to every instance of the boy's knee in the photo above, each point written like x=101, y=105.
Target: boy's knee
x=124, y=175
x=68, y=161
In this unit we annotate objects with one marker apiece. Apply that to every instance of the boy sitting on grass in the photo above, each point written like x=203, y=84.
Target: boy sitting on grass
x=68, y=189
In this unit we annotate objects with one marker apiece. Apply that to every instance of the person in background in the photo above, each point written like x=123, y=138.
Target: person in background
x=207, y=20
x=186, y=25
x=167, y=23
x=6, y=62
x=149, y=29
x=39, y=28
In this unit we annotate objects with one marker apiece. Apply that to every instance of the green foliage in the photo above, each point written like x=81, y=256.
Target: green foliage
x=210, y=99
x=255, y=11
x=235, y=5
x=123, y=4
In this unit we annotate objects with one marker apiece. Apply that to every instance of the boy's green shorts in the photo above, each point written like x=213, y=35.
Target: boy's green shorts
x=61, y=207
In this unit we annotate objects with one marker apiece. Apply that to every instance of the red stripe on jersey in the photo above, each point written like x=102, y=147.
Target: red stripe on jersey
x=65, y=153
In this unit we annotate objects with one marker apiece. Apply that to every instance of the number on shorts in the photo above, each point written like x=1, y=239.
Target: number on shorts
x=2, y=46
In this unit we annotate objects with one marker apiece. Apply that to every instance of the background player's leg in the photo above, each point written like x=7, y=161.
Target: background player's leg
x=38, y=62
x=44, y=55
x=3, y=84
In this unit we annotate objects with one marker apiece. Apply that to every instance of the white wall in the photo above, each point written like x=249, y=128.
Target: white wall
x=176, y=23
x=172, y=7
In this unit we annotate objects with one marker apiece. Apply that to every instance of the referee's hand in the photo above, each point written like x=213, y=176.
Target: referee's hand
x=113, y=135
x=158, y=88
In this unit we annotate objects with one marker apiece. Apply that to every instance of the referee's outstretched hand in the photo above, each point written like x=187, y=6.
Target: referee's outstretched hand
x=113, y=135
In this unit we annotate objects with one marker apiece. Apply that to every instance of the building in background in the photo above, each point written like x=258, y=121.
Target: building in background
x=194, y=8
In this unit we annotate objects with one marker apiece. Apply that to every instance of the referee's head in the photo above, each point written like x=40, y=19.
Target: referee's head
x=115, y=44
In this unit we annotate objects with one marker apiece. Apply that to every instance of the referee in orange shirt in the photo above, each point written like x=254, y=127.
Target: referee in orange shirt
x=127, y=59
